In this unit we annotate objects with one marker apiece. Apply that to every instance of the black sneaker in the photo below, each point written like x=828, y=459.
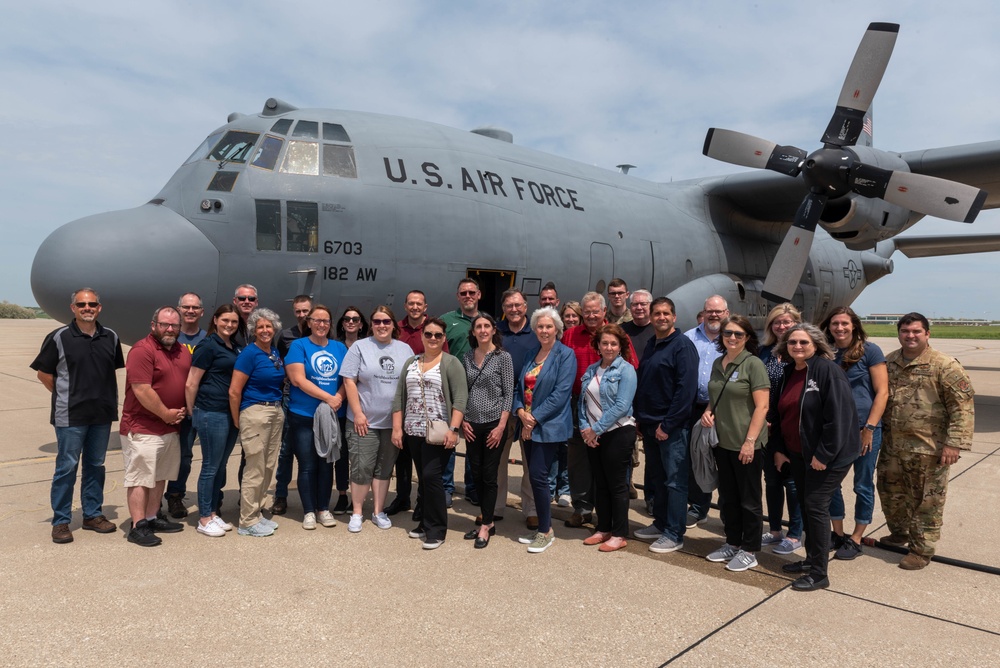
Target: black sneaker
x=836, y=540
x=175, y=506
x=142, y=535
x=341, y=506
x=848, y=550
x=160, y=525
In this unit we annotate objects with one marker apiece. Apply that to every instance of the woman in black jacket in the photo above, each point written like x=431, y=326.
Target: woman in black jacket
x=815, y=430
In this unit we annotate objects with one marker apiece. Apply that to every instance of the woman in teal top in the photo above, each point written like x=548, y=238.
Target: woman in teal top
x=739, y=393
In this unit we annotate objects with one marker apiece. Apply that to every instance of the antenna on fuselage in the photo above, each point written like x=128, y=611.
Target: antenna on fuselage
x=623, y=168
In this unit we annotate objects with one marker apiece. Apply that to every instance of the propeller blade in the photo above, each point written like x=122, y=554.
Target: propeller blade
x=861, y=84
x=786, y=270
x=749, y=151
x=929, y=195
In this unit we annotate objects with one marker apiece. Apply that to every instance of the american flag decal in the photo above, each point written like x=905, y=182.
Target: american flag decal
x=867, y=126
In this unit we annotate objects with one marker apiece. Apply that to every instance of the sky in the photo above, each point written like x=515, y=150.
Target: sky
x=102, y=102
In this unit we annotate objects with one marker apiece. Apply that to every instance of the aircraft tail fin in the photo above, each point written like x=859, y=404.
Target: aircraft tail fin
x=865, y=138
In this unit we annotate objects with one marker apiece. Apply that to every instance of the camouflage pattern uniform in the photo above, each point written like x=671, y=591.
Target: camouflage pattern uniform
x=930, y=406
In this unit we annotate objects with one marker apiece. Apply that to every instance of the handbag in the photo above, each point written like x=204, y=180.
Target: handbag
x=436, y=430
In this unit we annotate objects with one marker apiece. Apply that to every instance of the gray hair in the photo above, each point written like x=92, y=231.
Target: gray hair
x=245, y=286
x=193, y=294
x=640, y=291
x=823, y=348
x=593, y=297
x=72, y=297
x=551, y=313
x=262, y=313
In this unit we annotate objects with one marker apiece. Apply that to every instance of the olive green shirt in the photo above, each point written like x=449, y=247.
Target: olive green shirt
x=734, y=407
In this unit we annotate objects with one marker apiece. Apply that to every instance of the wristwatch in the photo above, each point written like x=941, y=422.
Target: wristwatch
x=870, y=427
x=455, y=429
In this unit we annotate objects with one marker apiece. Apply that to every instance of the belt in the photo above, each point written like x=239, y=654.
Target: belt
x=266, y=403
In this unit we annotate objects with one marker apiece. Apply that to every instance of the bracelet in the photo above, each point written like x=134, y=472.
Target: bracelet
x=749, y=440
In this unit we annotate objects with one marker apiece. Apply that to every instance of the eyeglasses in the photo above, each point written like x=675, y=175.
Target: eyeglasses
x=617, y=294
x=593, y=314
x=433, y=335
x=190, y=308
x=381, y=321
x=319, y=321
x=733, y=334
x=351, y=318
x=244, y=298
x=514, y=307
x=783, y=323
x=642, y=304
x=468, y=293
x=715, y=311
x=799, y=344
x=167, y=325
x=87, y=304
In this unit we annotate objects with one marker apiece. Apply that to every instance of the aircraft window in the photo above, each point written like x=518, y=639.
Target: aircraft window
x=335, y=132
x=281, y=126
x=223, y=181
x=303, y=227
x=339, y=161
x=308, y=129
x=235, y=146
x=302, y=157
x=267, y=154
x=202, y=151
x=268, y=224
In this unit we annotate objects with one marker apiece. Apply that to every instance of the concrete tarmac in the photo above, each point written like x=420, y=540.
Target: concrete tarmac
x=328, y=597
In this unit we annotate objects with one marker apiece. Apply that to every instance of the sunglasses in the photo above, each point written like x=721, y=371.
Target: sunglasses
x=468, y=293
x=276, y=360
x=739, y=336
x=87, y=304
x=433, y=335
x=798, y=344
x=351, y=318
x=243, y=298
x=381, y=321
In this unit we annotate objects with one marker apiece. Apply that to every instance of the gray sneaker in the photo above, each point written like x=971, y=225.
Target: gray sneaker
x=724, y=553
x=664, y=545
x=770, y=539
x=693, y=520
x=648, y=534
x=787, y=546
x=542, y=542
x=258, y=530
x=528, y=538
x=742, y=561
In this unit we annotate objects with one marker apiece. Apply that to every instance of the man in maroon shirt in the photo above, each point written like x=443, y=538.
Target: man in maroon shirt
x=156, y=370
x=581, y=480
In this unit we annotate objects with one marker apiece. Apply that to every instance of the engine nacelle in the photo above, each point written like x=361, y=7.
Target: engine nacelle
x=861, y=222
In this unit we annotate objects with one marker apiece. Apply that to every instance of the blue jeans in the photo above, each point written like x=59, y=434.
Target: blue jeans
x=187, y=434
x=559, y=474
x=668, y=463
x=218, y=438
x=540, y=458
x=89, y=443
x=776, y=489
x=315, y=477
x=864, y=485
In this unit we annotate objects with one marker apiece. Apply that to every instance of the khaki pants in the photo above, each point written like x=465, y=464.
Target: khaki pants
x=260, y=433
x=527, y=498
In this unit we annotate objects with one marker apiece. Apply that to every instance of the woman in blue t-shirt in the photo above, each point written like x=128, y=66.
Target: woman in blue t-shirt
x=207, y=395
x=866, y=370
x=313, y=367
x=255, y=403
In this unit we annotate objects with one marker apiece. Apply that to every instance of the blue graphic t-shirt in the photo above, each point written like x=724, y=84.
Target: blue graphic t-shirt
x=322, y=367
x=266, y=375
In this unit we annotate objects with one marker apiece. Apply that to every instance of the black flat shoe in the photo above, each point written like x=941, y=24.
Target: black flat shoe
x=796, y=567
x=396, y=508
x=807, y=583
x=471, y=534
x=480, y=543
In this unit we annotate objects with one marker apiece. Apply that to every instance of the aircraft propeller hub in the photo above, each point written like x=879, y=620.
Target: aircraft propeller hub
x=828, y=170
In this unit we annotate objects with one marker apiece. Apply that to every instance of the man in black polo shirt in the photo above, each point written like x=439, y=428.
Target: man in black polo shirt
x=77, y=364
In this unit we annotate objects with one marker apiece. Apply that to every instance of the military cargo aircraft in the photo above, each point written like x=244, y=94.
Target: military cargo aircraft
x=358, y=208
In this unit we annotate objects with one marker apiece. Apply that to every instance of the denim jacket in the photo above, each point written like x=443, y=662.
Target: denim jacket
x=550, y=405
x=617, y=390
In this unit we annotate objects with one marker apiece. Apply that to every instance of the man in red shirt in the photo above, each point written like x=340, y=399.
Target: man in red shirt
x=581, y=480
x=156, y=371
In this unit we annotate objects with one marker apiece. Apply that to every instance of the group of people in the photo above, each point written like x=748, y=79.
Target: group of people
x=577, y=384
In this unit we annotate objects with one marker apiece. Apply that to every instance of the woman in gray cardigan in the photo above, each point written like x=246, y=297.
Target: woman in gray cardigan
x=433, y=387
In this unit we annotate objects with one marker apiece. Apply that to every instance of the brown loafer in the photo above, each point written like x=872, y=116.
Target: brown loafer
x=913, y=562
x=100, y=524
x=531, y=522
x=61, y=534
x=280, y=506
x=577, y=520
x=176, y=507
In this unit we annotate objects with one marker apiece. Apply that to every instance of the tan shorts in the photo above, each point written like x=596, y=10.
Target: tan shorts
x=150, y=458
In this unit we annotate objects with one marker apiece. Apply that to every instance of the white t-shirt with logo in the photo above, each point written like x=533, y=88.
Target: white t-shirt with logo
x=376, y=368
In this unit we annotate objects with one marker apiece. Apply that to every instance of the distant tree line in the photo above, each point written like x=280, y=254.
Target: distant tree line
x=10, y=311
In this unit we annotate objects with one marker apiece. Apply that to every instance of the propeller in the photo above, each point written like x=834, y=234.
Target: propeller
x=835, y=170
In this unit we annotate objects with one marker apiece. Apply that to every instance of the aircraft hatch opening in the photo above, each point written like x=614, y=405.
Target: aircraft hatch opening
x=492, y=284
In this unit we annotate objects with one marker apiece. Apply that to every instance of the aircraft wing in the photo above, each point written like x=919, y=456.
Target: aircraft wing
x=974, y=164
x=759, y=194
x=933, y=246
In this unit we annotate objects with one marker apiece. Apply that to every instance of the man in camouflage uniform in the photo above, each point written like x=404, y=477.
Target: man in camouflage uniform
x=929, y=419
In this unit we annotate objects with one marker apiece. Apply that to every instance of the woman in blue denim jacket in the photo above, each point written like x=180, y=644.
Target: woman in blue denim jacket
x=608, y=429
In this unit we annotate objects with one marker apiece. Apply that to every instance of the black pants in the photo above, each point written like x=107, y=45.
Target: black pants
x=431, y=460
x=485, y=462
x=815, y=490
x=739, y=498
x=404, y=474
x=610, y=462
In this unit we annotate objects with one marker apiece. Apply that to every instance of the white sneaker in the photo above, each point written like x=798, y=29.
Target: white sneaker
x=211, y=529
x=354, y=526
x=222, y=524
x=564, y=500
x=382, y=520
x=309, y=521
x=326, y=518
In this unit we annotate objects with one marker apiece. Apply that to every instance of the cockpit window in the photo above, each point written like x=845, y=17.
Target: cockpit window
x=303, y=227
x=309, y=129
x=268, y=224
x=268, y=152
x=235, y=146
x=281, y=126
x=302, y=157
x=335, y=132
x=339, y=161
x=202, y=151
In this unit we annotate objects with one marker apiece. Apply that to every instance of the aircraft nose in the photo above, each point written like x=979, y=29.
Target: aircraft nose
x=137, y=259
